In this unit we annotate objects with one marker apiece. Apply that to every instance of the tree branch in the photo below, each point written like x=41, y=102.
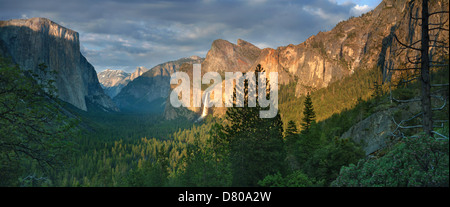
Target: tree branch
x=415, y=62
x=443, y=136
x=440, y=108
x=400, y=69
x=438, y=12
x=404, y=45
x=405, y=101
x=439, y=85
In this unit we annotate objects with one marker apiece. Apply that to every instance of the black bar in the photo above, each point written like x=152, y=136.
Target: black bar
x=171, y=196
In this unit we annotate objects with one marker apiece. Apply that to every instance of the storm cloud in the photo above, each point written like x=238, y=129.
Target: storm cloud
x=127, y=34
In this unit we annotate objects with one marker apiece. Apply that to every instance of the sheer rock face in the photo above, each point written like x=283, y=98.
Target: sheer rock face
x=30, y=42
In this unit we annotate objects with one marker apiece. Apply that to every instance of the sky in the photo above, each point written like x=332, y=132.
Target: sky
x=128, y=34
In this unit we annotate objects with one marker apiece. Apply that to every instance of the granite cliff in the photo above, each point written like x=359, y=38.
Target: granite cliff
x=30, y=42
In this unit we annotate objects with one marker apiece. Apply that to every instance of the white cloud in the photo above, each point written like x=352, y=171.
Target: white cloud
x=139, y=32
x=330, y=18
x=262, y=45
x=358, y=10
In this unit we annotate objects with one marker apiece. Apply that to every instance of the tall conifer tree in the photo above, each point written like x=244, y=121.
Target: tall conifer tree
x=255, y=144
x=308, y=114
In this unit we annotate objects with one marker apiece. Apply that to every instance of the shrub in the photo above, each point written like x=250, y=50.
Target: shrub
x=422, y=161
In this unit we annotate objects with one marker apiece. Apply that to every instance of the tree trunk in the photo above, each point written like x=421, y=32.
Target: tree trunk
x=427, y=119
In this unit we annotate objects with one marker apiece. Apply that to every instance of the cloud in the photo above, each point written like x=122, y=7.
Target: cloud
x=357, y=10
x=128, y=34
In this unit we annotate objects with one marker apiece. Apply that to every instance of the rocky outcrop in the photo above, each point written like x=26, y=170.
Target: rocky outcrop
x=148, y=92
x=372, y=133
x=113, y=81
x=30, y=42
x=375, y=132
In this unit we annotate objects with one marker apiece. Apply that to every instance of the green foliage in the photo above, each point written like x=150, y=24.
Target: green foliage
x=291, y=129
x=404, y=93
x=307, y=144
x=291, y=137
x=420, y=161
x=326, y=162
x=205, y=167
x=295, y=179
x=121, y=158
x=308, y=114
x=255, y=144
x=151, y=172
x=126, y=149
x=33, y=130
x=336, y=99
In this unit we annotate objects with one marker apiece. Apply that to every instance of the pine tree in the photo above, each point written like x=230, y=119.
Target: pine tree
x=291, y=138
x=255, y=144
x=33, y=129
x=308, y=114
x=291, y=129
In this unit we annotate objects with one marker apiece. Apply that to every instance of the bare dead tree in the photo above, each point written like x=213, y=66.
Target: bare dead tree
x=421, y=56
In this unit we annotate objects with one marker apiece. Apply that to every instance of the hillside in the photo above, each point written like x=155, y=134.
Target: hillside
x=147, y=93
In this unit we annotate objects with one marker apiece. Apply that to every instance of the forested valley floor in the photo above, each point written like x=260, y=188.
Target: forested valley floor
x=300, y=147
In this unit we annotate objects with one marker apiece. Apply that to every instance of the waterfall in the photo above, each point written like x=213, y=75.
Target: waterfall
x=205, y=108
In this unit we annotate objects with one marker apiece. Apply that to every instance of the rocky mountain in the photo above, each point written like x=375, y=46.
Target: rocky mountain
x=30, y=42
x=228, y=57
x=138, y=72
x=148, y=92
x=112, y=81
x=358, y=43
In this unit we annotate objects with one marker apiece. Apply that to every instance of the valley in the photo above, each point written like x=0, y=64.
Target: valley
x=350, y=111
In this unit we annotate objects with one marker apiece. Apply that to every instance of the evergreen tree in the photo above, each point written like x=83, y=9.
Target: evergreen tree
x=308, y=114
x=255, y=144
x=33, y=129
x=291, y=129
x=326, y=162
x=291, y=138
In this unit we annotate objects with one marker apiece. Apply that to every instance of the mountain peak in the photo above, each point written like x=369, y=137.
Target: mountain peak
x=243, y=43
x=43, y=25
x=226, y=56
x=220, y=43
x=138, y=72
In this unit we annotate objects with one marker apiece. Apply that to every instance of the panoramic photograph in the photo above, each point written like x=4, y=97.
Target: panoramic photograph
x=211, y=93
